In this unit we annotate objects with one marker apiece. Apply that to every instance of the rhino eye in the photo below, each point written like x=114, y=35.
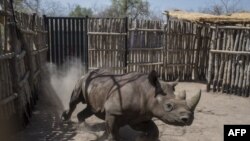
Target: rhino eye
x=168, y=107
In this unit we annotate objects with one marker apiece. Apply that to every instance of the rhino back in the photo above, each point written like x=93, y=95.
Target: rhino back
x=118, y=93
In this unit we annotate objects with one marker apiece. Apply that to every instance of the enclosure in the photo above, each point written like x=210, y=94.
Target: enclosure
x=22, y=54
x=191, y=47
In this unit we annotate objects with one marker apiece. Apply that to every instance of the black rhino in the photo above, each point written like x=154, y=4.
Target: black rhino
x=131, y=99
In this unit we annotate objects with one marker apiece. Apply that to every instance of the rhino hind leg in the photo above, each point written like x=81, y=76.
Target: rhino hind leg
x=85, y=113
x=149, y=129
x=112, y=127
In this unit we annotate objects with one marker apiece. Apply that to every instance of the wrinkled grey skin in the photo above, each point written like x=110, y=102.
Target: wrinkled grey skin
x=131, y=99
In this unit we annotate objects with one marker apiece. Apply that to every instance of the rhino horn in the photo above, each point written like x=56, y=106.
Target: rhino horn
x=192, y=103
x=182, y=95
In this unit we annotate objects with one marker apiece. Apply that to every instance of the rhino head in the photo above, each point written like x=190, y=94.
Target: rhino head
x=170, y=108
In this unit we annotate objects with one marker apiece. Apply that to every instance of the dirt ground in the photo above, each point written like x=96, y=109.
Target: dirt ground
x=213, y=111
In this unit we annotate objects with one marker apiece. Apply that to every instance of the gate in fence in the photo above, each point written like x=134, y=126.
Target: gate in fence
x=67, y=39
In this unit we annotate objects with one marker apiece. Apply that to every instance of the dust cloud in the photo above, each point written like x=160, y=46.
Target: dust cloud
x=63, y=79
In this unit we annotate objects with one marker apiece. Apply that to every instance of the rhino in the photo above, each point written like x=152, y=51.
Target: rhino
x=131, y=99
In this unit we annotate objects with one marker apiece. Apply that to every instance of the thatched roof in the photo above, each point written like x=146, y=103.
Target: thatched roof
x=208, y=18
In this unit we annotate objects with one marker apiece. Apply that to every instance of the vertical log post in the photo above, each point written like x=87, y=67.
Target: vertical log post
x=126, y=45
x=216, y=64
x=196, y=58
x=86, y=65
x=211, y=59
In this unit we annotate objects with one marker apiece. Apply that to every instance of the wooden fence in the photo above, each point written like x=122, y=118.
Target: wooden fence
x=187, y=46
x=145, y=49
x=229, y=60
x=107, y=43
x=178, y=50
x=118, y=44
x=123, y=45
x=22, y=54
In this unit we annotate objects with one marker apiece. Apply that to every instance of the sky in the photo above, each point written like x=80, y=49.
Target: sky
x=160, y=5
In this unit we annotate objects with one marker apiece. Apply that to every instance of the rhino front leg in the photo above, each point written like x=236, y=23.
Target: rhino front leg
x=150, y=130
x=74, y=100
x=112, y=127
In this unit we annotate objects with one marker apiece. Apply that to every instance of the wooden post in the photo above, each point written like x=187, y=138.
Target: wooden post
x=238, y=32
x=126, y=44
x=12, y=35
x=238, y=67
x=222, y=62
x=196, y=58
x=247, y=91
x=225, y=75
x=86, y=52
x=248, y=78
x=5, y=25
x=229, y=65
x=242, y=65
x=216, y=64
x=2, y=42
x=211, y=59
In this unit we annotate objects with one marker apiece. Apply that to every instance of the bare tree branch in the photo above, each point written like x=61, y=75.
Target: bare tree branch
x=223, y=7
x=225, y=4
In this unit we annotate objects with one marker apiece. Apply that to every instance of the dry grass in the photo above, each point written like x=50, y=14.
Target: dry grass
x=208, y=18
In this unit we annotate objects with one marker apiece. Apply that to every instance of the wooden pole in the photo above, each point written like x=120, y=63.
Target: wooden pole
x=233, y=65
x=216, y=62
x=211, y=59
x=229, y=67
x=224, y=82
x=242, y=65
x=126, y=43
x=237, y=65
x=86, y=45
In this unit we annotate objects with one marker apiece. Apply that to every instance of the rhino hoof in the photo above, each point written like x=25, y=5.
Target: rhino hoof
x=64, y=116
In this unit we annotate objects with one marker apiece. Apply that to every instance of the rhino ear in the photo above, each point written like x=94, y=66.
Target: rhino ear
x=173, y=84
x=153, y=79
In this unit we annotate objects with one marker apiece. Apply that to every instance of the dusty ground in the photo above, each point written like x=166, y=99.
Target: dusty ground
x=213, y=111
